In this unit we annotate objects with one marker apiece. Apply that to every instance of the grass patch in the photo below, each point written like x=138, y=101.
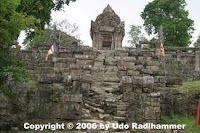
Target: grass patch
x=189, y=121
x=189, y=87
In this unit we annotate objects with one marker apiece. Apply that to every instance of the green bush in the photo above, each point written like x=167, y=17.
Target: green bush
x=189, y=87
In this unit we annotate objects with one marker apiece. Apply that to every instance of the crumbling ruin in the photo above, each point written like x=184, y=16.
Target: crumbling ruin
x=103, y=84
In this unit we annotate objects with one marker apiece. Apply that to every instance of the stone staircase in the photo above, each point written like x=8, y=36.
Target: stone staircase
x=105, y=99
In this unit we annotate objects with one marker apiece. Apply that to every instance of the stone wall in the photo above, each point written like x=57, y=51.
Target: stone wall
x=83, y=84
x=182, y=64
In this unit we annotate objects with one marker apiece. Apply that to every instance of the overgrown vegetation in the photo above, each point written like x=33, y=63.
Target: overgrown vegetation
x=189, y=87
x=197, y=43
x=177, y=26
x=189, y=121
x=44, y=38
x=6, y=89
x=15, y=16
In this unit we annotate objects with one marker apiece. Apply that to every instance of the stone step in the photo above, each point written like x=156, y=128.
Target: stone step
x=111, y=78
x=121, y=119
x=92, y=103
x=122, y=106
x=93, y=109
x=121, y=113
x=111, y=69
x=64, y=60
x=111, y=85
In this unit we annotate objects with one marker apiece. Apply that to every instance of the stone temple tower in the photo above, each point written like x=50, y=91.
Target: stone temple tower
x=107, y=32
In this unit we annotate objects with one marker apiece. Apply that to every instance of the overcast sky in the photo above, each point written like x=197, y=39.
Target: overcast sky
x=82, y=12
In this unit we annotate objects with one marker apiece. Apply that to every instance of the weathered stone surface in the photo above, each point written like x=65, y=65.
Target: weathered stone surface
x=148, y=80
x=133, y=73
x=110, y=61
x=122, y=65
x=71, y=98
x=108, y=22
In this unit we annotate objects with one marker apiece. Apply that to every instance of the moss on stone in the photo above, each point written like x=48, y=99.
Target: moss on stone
x=32, y=85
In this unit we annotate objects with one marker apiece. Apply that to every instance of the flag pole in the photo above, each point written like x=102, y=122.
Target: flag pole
x=161, y=38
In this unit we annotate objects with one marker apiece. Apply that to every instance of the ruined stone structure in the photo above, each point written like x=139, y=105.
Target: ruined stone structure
x=107, y=32
x=103, y=84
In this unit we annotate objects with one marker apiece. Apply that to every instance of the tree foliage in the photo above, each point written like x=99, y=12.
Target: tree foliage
x=64, y=33
x=136, y=34
x=41, y=9
x=197, y=43
x=171, y=14
x=15, y=16
x=12, y=22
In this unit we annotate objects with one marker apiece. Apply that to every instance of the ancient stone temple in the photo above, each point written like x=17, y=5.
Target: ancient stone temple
x=107, y=32
x=101, y=84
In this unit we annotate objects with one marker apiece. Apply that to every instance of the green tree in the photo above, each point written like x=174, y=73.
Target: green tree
x=40, y=9
x=64, y=32
x=11, y=23
x=136, y=35
x=15, y=16
x=177, y=27
x=197, y=43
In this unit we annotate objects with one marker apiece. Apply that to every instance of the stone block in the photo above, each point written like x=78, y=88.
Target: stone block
x=65, y=55
x=121, y=53
x=111, y=79
x=85, y=87
x=138, y=90
x=147, y=71
x=84, y=57
x=147, y=80
x=97, y=75
x=150, y=113
x=111, y=69
x=75, y=74
x=160, y=79
x=133, y=53
x=123, y=65
x=67, y=78
x=121, y=73
x=110, y=61
x=72, y=98
x=126, y=80
x=147, y=90
x=65, y=60
x=84, y=62
x=152, y=63
x=138, y=67
x=155, y=102
x=60, y=69
x=58, y=86
x=153, y=68
x=98, y=64
x=87, y=78
x=133, y=73
x=137, y=80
